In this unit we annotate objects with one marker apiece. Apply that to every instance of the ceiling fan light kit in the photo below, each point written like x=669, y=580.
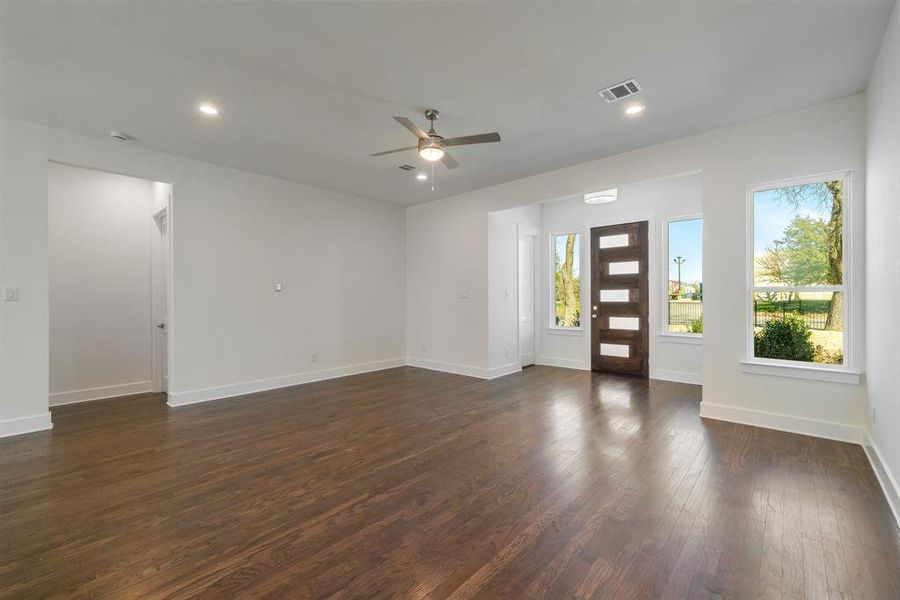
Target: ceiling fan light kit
x=432, y=146
x=431, y=150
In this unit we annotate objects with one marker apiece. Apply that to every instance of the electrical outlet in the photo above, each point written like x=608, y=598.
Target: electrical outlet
x=506, y=352
x=872, y=410
x=314, y=357
x=11, y=294
x=278, y=286
x=424, y=349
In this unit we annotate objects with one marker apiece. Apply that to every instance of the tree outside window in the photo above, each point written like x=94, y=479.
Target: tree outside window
x=798, y=272
x=567, y=280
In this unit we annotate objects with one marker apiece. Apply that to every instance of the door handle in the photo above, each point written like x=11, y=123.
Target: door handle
x=161, y=326
x=593, y=315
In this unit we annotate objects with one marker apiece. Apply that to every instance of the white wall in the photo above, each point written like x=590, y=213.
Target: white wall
x=671, y=357
x=341, y=259
x=159, y=196
x=447, y=249
x=446, y=298
x=100, y=298
x=883, y=252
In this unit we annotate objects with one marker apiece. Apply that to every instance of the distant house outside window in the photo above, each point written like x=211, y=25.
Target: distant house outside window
x=566, y=280
x=684, y=260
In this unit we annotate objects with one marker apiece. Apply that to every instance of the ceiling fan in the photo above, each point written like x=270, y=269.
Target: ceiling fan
x=432, y=146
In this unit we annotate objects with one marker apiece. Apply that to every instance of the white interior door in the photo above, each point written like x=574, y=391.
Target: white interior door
x=160, y=303
x=526, y=299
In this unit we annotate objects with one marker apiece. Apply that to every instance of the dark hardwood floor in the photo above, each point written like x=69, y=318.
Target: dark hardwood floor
x=409, y=483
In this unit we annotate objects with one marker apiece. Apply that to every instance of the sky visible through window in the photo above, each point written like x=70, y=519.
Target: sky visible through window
x=685, y=240
x=770, y=217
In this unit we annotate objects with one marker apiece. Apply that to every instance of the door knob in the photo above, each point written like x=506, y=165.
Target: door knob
x=161, y=326
x=593, y=315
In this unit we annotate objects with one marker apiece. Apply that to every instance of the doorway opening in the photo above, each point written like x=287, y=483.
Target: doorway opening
x=109, y=265
x=527, y=281
x=160, y=290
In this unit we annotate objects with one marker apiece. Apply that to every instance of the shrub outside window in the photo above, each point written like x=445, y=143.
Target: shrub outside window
x=798, y=292
x=566, y=280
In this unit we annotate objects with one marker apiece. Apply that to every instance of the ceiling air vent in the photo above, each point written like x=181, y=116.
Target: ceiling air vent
x=406, y=167
x=620, y=91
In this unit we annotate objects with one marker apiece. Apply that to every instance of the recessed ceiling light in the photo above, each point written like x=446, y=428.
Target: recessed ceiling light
x=421, y=176
x=210, y=110
x=602, y=197
x=635, y=109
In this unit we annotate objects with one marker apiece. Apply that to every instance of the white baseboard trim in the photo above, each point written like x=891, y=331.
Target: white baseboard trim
x=99, y=393
x=677, y=376
x=468, y=371
x=823, y=429
x=249, y=387
x=885, y=477
x=565, y=363
x=453, y=368
x=504, y=370
x=20, y=425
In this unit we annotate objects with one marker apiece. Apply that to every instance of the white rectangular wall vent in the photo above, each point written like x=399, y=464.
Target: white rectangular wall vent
x=620, y=91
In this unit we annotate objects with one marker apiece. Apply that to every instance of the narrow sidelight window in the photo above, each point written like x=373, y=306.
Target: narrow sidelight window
x=566, y=280
x=684, y=268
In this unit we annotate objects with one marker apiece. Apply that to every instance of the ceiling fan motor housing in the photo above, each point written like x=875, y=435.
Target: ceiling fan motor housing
x=433, y=141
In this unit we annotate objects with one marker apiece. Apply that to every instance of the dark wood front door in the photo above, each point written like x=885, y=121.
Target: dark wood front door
x=620, y=299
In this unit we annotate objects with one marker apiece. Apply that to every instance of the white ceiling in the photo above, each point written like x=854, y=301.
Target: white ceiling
x=308, y=90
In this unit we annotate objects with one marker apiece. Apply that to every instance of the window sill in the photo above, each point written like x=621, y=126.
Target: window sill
x=681, y=338
x=572, y=331
x=802, y=372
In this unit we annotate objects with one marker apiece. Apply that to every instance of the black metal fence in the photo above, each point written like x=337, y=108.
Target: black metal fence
x=684, y=312
x=814, y=320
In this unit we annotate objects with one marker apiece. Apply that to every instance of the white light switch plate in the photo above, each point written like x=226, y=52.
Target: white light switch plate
x=278, y=286
x=11, y=294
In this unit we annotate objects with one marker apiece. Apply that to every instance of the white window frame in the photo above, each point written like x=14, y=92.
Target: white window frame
x=552, y=327
x=845, y=373
x=686, y=337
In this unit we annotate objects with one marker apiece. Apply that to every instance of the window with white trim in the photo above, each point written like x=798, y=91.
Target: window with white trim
x=798, y=274
x=566, y=293
x=684, y=276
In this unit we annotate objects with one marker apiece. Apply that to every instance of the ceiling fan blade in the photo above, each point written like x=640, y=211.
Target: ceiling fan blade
x=393, y=151
x=481, y=138
x=449, y=162
x=415, y=129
